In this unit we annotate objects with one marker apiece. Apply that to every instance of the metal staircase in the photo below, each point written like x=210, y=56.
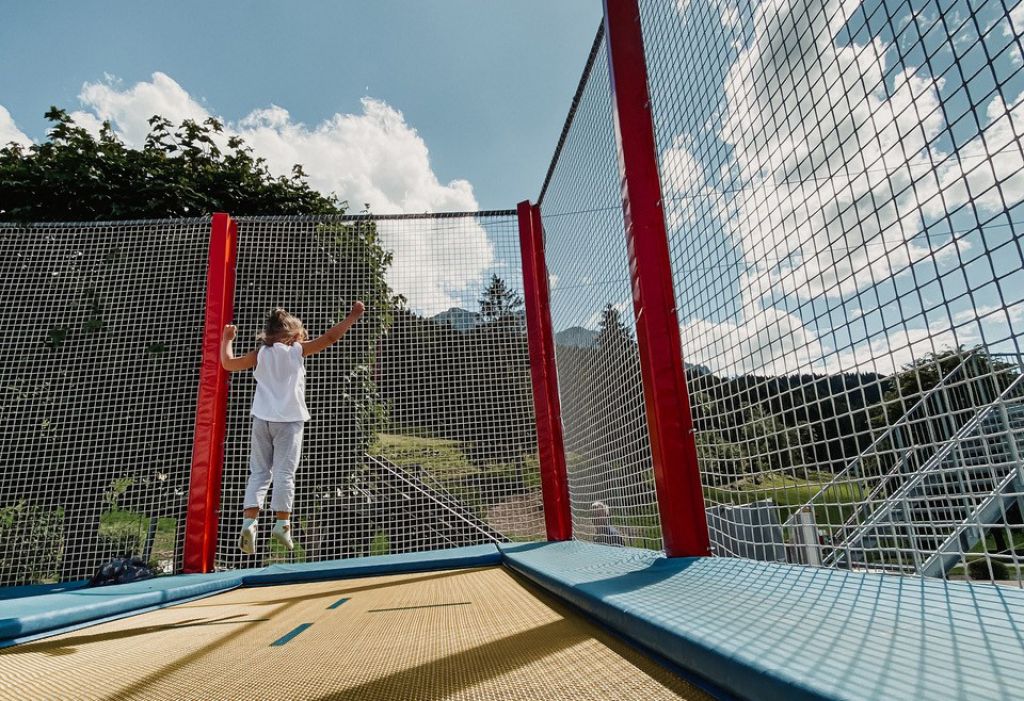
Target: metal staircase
x=926, y=510
x=936, y=480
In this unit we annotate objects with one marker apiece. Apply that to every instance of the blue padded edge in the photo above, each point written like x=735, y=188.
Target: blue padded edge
x=39, y=589
x=455, y=558
x=771, y=631
x=31, y=617
x=50, y=632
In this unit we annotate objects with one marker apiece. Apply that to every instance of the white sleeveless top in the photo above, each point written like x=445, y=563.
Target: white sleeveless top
x=280, y=384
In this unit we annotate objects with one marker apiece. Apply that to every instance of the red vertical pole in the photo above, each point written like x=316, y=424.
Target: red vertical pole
x=554, y=482
x=674, y=451
x=211, y=408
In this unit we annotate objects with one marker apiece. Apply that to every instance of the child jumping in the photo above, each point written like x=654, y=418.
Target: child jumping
x=278, y=413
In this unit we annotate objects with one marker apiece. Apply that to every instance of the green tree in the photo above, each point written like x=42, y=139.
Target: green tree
x=190, y=170
x=335, y=469
x=978, y=382
x=621, y=417
x=499, y=405
x=613, y=335
x=770, y=446
x=500, y=304
x=75, y=176
x=975, y=378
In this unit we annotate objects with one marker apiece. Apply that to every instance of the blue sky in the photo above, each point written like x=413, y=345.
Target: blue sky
x=843, y=182
x=844, y=179
x=485, y=84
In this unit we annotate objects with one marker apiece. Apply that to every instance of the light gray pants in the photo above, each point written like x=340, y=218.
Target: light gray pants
x=276, y=448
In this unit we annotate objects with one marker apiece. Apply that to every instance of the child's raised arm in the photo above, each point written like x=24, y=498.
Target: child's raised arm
x=227, y=354
x=334, y=334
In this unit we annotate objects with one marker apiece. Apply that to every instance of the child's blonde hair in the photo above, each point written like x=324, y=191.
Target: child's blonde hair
x=282, y=327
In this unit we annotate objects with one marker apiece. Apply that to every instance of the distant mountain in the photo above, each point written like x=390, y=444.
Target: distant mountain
x=458, y=319
x=576, y=337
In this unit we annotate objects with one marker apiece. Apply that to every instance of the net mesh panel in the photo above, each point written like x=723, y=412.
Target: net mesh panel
x=422, y=433
x=608, y=455
x=98, y=385
x=843, y=186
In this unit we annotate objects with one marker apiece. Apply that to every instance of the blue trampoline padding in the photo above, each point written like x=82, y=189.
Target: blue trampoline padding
x=38, y=589
x=771, y=631
x=455, y=558
x=25, y=618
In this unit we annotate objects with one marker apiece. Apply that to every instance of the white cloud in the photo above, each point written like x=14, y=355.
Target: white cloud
x=9, y=130
x=836, y=169
x=1016, y=29
x=1016, y=312
x=980, y=312
x=727, y=10
x=766, y=341
x=438, y=263
x=893, y=349
x=682, y=176
x=88, y=121
x=373, y=157
x=681, y=172
x=839, y=171
x=769, y=341
x=989, y=169
x=130, y=109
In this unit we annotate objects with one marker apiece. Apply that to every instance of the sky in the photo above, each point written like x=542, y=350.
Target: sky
x=430, y=105
x=843, y=180
x=849, y=195
x=843, y=183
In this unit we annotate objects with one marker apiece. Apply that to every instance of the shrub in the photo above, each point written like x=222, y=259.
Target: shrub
x=31, y=543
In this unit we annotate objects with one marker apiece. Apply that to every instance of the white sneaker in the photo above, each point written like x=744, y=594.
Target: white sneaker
x=282, y=533
x=247, y=539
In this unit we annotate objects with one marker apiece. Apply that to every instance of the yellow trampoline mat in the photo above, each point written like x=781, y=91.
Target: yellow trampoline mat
x=460, y=634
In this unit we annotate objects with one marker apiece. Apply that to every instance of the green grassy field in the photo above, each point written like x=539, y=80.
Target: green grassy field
x=836, y=505
x=640, y=531
x=446, y=462
x=494, y=491
x=443, y=459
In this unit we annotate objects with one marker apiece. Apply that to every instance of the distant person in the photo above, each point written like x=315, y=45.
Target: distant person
x=278, y=413
x=604, y=531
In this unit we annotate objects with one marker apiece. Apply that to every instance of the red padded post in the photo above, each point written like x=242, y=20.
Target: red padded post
x=554, y=482
x=676, y=472
x=211, y=408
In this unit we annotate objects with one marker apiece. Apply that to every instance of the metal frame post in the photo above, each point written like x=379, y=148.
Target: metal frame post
x=211, y=408
x=554, y=481
x=673, y=448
